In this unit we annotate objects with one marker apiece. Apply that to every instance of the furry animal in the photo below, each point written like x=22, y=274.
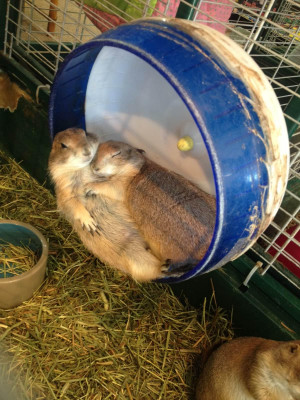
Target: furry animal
x=252, y=368
x=102, y=223
x=72, y=151
x=175, y=217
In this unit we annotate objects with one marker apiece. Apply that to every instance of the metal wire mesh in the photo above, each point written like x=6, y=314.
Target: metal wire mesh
x=279, y=246
x=39, y=33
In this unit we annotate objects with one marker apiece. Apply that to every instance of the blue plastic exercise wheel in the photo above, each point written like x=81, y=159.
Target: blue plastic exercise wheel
x=154, y=81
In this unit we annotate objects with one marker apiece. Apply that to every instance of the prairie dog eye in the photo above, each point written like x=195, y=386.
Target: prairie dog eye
x=63, y=146
x=116, y=154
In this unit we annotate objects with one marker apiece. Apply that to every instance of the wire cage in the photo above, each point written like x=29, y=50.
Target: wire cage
x=40, y=33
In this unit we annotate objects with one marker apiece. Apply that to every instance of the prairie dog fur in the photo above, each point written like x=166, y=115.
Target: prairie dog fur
x=102, y=223
x=175, y=217
x=252, y=368
x=72, y=151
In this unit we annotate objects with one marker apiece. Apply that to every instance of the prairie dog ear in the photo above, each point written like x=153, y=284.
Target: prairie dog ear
x=141, y=151
x=291, y=349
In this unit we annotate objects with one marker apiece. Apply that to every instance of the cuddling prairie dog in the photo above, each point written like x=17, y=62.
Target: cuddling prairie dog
x=103, y=224
x=117, y=241
x=72, y=151
x=252, y=368
x=175, y=217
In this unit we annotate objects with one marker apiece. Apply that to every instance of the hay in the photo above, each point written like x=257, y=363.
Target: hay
x=90, y=332
x=15, y=260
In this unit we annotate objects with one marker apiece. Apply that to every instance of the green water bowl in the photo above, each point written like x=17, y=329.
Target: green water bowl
x=18, y=287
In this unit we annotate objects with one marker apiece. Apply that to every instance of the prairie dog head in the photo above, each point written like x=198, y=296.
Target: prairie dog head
x=117, y=158
x=283, y=359
x=72, y=149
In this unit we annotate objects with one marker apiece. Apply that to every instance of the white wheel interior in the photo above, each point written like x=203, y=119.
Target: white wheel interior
x=128, y=100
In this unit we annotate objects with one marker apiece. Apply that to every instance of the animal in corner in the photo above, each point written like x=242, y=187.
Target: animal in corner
x=175, y=216
x=103, y=224
x=252, y=368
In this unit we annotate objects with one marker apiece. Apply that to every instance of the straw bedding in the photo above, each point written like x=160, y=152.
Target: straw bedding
x=15, y=260
x=90, y=332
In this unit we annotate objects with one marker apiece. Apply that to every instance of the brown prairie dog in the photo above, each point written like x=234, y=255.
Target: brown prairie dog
x=103, y=224
x=72, y=151
x=175, y=217
x=252, y=368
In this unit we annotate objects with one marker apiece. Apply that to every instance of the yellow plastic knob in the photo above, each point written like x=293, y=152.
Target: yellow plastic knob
x=186, y=143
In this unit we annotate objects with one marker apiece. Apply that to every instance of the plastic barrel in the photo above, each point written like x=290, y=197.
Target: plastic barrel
x=153, y=81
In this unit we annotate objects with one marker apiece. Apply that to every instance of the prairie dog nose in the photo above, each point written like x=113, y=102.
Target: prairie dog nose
x=94, y=166
x=86, y=152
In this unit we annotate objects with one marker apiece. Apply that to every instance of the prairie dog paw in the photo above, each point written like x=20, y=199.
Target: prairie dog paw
x=164, y=268
x=87, y=222
x=89, y=192
x=167, y=270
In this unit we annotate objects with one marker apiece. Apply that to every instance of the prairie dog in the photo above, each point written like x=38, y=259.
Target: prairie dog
x=103, y=224
x=72, y=151
x=175, y=217
x=252, y=368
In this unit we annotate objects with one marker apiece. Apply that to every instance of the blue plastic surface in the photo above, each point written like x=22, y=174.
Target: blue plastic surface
x=211, y=93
